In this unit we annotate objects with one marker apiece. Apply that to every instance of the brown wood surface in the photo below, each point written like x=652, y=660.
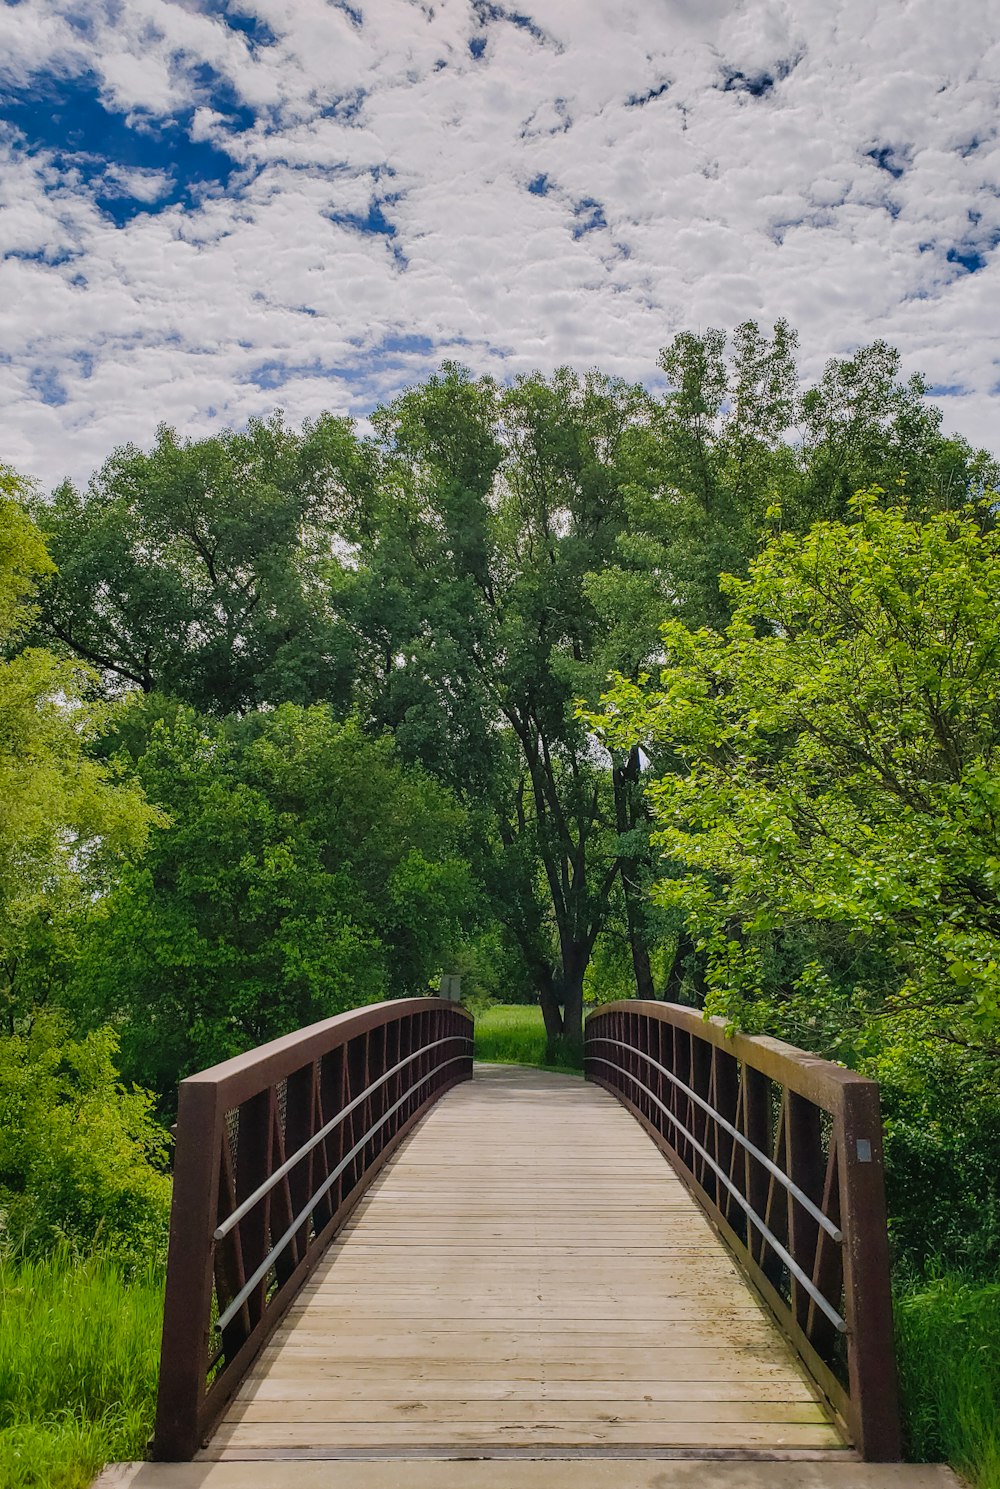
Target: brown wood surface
x=526, y=1271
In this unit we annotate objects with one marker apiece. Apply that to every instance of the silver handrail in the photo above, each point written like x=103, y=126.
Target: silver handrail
x=303, y=1215
x=772, y=1240
x=247, y=1205
x=831, y=1229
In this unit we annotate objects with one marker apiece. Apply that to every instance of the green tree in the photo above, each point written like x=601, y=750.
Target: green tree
x=491, y=511
x=304, y=871
x=838, y=770
x=202, y=568
x=66, y=819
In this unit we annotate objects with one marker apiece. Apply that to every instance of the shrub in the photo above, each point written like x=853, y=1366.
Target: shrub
x=81, y=1157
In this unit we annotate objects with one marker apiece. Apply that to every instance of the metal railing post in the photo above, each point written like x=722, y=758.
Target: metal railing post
x=188, y=1297
x=871, y=1357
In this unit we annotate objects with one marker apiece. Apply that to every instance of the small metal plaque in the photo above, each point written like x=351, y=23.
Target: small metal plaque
x=864, y=1150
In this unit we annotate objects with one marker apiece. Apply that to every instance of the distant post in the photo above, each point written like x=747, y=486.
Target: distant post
x=450, y=987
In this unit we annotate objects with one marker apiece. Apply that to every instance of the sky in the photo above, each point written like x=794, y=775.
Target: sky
x=213, y=208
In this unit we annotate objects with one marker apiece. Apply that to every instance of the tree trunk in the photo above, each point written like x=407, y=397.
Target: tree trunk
x=624, y=778
x=686, y=951
x=574, y=967
x=640, y=953
x=551, y=1012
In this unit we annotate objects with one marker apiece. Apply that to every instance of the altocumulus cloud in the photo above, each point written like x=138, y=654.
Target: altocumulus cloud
x=208, y=209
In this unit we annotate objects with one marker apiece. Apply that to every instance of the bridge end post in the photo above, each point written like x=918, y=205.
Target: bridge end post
x=871, y=1356
x=188, y=1299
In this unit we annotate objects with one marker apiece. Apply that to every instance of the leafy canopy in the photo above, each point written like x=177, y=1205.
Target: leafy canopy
x=836, y=764
x=66, y=817
x=304, y=871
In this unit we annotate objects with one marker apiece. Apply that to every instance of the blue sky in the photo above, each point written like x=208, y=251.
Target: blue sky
x=209, y=209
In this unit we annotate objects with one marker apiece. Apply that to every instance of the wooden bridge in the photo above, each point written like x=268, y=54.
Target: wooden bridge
x=384, y=1274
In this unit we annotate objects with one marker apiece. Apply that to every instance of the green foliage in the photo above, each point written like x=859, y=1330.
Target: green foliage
x=465, y=576
x=79, y=1356
x=304, y=871
x=24, y=558
x=82, y=1158
x=946, y=1333
x=67, y=819
x=837, y=766
x=942, y=1129
x=199, y=569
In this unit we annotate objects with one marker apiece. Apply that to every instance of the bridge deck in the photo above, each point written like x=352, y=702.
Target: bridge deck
x=527, y=1273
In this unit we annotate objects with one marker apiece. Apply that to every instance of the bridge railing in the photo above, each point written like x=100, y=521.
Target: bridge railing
x=784, y=1152
x=274, y=1148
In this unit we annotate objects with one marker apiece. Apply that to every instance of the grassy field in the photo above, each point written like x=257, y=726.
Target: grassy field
x=946, y=1334
x=79, y=1354
x=514, y=1034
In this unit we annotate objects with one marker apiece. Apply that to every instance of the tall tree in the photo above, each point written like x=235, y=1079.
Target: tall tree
x=66, y=819
x=202, y=568
x=502, y=504
x=838, y=777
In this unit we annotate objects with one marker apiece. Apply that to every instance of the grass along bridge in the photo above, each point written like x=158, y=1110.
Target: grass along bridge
x=384, y=1264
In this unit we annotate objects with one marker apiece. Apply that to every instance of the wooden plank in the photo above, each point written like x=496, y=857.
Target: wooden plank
x=576, y=1331
x=348, y=1387
x=485, y=1430
x=537, y=1413
x=312, y=1366
x=613, y=1470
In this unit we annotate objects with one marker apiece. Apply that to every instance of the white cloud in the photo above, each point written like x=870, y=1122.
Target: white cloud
x=854, y=146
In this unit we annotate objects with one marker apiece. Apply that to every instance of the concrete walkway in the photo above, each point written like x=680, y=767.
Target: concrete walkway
x=622, y=1473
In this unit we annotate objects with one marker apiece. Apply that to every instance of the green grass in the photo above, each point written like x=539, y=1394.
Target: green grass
x=946, y=1334
x=514, y=1034
x=79, y=1354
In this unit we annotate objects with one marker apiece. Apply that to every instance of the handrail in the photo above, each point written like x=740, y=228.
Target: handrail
x=824, y=1220
x=304, y=1214
x=274, y=1150
x=784, y=1152
x=221, y=1231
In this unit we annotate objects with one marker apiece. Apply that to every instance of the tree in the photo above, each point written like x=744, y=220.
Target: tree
x=491, y=510
x=839, y=748
x=202, y=569
x=305, y=871
x=731, y=449
x=67, y=820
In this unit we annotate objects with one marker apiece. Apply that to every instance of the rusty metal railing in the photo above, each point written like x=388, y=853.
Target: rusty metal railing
x=274, y=1149
x=784, y=1152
